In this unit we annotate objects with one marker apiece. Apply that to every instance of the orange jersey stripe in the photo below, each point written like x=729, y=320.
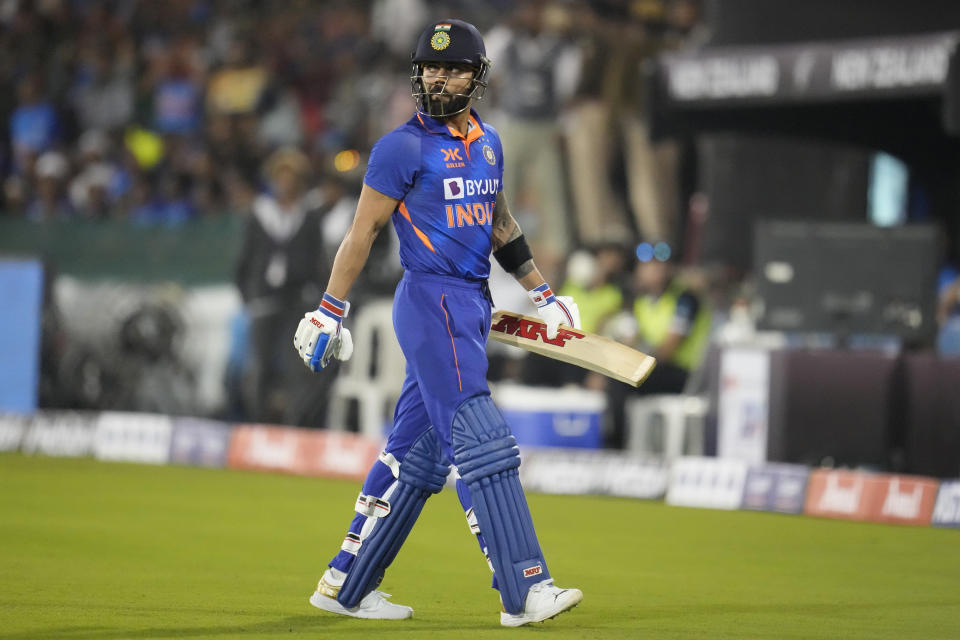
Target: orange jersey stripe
x=456, y=361
x=402, y=208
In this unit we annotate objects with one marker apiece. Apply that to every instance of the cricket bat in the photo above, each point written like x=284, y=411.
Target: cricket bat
x=587, y=350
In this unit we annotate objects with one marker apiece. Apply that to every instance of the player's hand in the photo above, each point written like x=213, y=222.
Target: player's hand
x=321, y=336
x=555, y=310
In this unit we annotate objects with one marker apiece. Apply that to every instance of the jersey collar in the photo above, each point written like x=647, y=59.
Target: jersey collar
x=431, y=124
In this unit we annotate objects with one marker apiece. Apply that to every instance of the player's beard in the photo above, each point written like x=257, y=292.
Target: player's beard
x=442, y=103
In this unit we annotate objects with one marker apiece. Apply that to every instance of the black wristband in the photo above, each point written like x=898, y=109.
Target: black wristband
x=513, y=254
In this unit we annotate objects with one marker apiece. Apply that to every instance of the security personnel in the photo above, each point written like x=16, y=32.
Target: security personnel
x=673, y=325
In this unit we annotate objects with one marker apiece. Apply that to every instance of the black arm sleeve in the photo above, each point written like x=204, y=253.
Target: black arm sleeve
x=513, y=254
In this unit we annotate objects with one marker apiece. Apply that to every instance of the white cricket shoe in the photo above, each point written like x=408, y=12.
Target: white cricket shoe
x=544, y=601
x=373, y=606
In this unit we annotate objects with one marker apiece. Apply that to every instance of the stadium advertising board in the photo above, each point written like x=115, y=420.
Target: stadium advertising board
x=12, y=428
x=855, y=495
x=577, y=472
x=744, y=410
x=60, y=433
x=840, y=494
x=713, y=483
x=946, y=513
x=201, y=443
x=301, y=451
x=776, y=487
x=133, y=437
x=810, y=71
x=906, y=500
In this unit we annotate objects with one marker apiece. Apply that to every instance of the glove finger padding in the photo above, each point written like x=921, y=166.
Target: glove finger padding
x=316, y=339
x=563, y=310
x=572, y=309
x=344, y=345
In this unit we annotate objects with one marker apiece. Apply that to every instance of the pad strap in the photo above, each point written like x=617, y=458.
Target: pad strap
x=372, y=506
x=423, y=471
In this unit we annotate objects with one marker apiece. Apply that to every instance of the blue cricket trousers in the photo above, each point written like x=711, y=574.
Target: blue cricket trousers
x=442, y=323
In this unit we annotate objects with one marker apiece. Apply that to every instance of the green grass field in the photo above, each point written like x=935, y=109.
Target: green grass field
x=93, y=550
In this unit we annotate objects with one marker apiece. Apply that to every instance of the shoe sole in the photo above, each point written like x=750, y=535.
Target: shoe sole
x=544, y=619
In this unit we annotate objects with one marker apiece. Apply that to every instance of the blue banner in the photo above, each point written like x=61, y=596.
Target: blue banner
x=21, y=293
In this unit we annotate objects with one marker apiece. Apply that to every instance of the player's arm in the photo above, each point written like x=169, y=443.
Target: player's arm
x=511, y=250
x=505, y=232
x=320, y=336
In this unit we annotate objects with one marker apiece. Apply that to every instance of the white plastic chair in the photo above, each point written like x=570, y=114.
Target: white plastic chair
x=372, y=378
x=680, y=417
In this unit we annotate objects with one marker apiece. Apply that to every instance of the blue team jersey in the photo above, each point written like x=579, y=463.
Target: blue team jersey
x=447, y=185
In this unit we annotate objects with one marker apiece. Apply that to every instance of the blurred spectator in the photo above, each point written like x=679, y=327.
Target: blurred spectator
x=34, y=124
x=50, y=202
x=102, y=93
x=397, y=23
x=282, y=266
x=177, y=93
x=595, y=278
x=235, y=89
x=532, y=62
x=93, y=190
x=168, y=205
x=335, y=204
x=607, y=120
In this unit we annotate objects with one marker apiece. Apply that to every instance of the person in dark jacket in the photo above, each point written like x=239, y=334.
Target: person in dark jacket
x=282, y=265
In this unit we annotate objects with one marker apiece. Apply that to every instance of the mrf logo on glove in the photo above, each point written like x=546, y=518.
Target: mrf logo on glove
x=321, y=336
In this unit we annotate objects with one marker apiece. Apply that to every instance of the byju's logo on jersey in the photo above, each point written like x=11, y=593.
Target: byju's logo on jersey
x=453, y=188
x=458, y=188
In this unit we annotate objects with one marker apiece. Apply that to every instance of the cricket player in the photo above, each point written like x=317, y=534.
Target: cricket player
x=438, y=178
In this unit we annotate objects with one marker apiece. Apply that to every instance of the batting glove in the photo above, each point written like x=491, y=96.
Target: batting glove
x=555, y=310
x=321, y=336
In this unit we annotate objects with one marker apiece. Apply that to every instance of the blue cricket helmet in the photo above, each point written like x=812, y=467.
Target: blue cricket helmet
x=449, y=41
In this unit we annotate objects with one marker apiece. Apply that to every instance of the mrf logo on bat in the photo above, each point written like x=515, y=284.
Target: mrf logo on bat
x=533, y=330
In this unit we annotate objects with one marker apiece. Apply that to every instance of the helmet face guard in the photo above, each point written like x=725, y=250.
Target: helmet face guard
x=432, y=103
x=448, y=42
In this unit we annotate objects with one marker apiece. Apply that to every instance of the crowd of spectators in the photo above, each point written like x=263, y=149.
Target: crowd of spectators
x=160, y=112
